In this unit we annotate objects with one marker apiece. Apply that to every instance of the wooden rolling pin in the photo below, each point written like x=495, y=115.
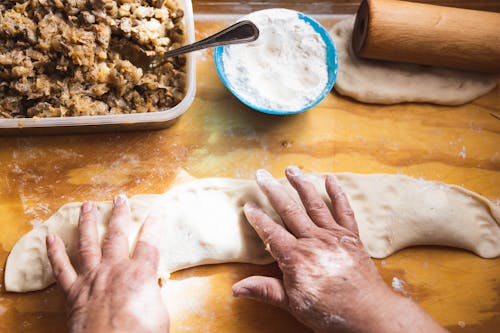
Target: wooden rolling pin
x=428, y=35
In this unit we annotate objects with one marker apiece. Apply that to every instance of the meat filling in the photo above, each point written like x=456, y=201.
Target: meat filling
x=57, y=59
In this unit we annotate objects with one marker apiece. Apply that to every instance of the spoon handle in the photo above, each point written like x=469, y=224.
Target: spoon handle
x=240, y=32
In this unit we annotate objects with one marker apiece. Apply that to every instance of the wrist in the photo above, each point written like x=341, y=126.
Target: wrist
x=367, y=311
x=395, y=313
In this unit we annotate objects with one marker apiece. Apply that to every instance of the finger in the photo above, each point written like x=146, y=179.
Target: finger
x=88, y=244
x=312, y=200
x=115, y=244
x=342, y=211
x=276, y=238
x=146, y=250
x=262, y=288
x=292, y=214
x=64, y=273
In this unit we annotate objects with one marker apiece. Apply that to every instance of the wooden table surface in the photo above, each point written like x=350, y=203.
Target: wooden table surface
x=219, y=137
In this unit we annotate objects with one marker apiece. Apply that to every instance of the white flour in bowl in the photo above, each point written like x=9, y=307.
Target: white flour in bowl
x=285, y=69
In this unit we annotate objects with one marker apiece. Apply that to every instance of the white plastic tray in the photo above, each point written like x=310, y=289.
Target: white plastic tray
x=86, y=124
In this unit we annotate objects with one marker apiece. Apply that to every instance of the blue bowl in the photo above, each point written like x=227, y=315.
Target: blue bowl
x=332, y=65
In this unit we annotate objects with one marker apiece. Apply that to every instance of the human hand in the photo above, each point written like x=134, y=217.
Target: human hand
x=109, y=291
x=329, y=281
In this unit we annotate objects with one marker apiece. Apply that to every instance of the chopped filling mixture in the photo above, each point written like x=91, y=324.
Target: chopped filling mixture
x=57, y=57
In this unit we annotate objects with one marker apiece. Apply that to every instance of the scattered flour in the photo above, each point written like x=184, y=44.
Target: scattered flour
x=463, y=152
x=285, y=69
x=186, y=297
x=461, y=324
x=332, y=264
x=398, y=285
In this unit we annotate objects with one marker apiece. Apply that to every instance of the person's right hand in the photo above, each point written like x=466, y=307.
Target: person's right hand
x=329, y=281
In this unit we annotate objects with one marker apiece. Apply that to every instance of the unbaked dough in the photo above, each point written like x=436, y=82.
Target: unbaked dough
x=203, y=223
x=384, y=82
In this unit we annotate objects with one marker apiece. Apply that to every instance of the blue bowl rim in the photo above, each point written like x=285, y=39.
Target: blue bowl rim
x=331, y=59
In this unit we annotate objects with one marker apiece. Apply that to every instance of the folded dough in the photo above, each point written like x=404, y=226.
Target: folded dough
x=384, y=82
x=203, y=223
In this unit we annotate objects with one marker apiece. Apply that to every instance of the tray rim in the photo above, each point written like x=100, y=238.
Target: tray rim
x=132, y=120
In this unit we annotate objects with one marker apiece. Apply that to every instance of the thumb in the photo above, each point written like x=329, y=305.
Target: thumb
x=262, y=288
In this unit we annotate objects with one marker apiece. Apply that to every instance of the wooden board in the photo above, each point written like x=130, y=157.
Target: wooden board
x=220, y=137
x=322, y=6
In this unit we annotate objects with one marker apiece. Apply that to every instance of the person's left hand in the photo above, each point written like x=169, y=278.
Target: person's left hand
x=109, y=291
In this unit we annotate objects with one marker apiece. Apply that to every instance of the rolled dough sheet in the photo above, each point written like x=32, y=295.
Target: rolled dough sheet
x=203, y=223
x=383, y=82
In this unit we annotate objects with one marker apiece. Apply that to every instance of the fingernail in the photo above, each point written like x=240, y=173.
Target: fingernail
x=120, y=199
x=249, y=206
x=263, y=176
x=86, y=207
x=292, y=170
x=50, y=239
x=240, y=291
x=337, y=185
x=336, y=181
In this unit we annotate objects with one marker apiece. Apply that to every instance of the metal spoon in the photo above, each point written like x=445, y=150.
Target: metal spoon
x=238, y=33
